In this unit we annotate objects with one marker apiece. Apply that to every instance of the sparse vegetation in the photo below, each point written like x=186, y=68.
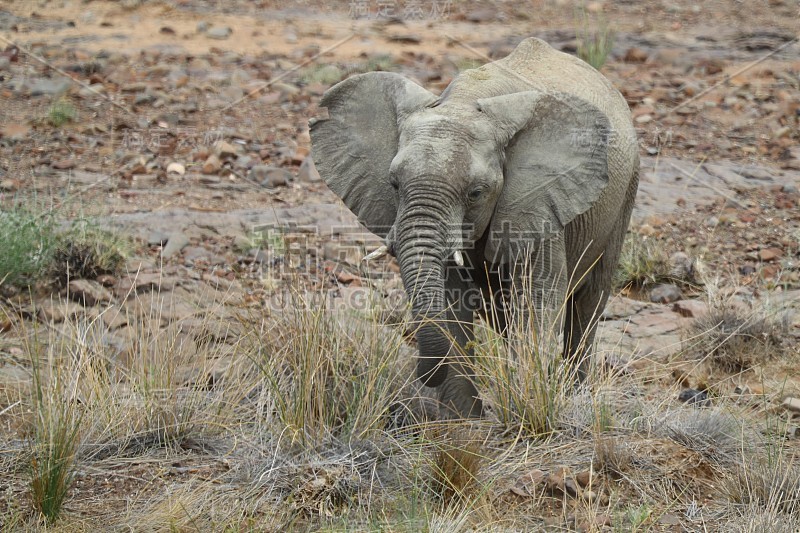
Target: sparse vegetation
x=324, y=74
x=61, y=112
x=28, y=240
x=87, y=251
x=595, y=40
x=735, y=336
x=643, y=263
x=36, y=250
x=55, y=432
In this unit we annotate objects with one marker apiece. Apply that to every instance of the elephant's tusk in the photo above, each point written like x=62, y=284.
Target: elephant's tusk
x=458, y=258
x=377, y=254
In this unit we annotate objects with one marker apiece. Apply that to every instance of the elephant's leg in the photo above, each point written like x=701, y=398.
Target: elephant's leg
x=540, y=287
x=458, y=394
x=587, y=303
x=580, y=322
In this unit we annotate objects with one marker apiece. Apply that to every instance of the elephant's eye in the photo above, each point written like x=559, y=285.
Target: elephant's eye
x=395, y=185
x=476, y=193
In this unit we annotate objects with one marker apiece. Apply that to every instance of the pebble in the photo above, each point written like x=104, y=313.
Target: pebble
x=175, y=243
x=176, y=168
x=48, y=87
x=665, y=293
x=635, y=55
x=63, y=164
x=791, y=404
x=694, y=397
x=269, y=176
x=308, y=172
x=756, y=173
x=790, y=188
x=202, y=26
x=88, y=292
x=212, y=165
x=770, y=254
x=226, y=150
x=157, y=238
x=486, y=14
x=681, y=266
x=690, y=308
x=219, y=32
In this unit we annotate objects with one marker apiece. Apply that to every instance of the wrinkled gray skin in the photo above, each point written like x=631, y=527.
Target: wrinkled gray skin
x=513, y=163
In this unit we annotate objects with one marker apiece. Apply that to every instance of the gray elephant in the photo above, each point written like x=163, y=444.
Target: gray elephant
x=528, y=159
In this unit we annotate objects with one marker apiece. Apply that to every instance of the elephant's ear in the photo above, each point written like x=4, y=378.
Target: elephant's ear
x=353, y=148
x=555, y=168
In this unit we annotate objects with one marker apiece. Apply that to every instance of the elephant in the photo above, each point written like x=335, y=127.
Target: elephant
x=530, y=159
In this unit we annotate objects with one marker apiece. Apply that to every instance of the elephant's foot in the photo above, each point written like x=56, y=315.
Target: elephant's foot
x=458, y=398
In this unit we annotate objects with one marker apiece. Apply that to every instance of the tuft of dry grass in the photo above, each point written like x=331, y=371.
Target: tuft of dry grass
x=85, y=251
x=54, y=431
x=327, y=374
x=456, y=467
x=642, y=263
x=771, y=484
x=735, y=336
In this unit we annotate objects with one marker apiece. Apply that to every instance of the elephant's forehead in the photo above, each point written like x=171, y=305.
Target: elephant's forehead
x=439, y=134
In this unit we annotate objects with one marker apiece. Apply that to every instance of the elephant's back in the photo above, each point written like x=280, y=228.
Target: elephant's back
x=535, y=65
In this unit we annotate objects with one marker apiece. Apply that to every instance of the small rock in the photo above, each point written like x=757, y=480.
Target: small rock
x=48, y=87
x=175, y=243
x=176, y=168
x=308, y=172
x=157, y=238
x=202, y=26
x=15, y=131
x=755, y=173
x=690, y=308
x=555, y=482
x=269, y=176
x=583, y=478
x=63, y=164
x=646, y=230
x=635, y=55
x=226, y=150
x=669, y=520
x=88, y=292
x=572, y=487
x=57, y=311
x=681, y=266
x=665, y=293
x=8, y=185
x=219, y=32
x=212, y=165
x=791, y=404
x=694, y=397
x=243, y=162
x=482, y=15
x=770, y=254
x=747, y=270
x=790, y=188
x=534, y=477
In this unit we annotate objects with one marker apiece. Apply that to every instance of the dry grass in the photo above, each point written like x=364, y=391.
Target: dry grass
x=642, y=263
x=307, y=418
x=734, y=335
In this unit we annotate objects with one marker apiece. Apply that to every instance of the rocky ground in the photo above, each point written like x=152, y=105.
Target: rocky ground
x=183, y=124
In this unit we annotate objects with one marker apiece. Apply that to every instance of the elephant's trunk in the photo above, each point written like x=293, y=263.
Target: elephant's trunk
x=421, y=251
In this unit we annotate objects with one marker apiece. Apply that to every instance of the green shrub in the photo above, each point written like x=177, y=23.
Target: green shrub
x=27, y=241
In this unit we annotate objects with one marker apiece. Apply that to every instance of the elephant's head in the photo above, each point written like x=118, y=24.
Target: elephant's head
x=432, y=174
